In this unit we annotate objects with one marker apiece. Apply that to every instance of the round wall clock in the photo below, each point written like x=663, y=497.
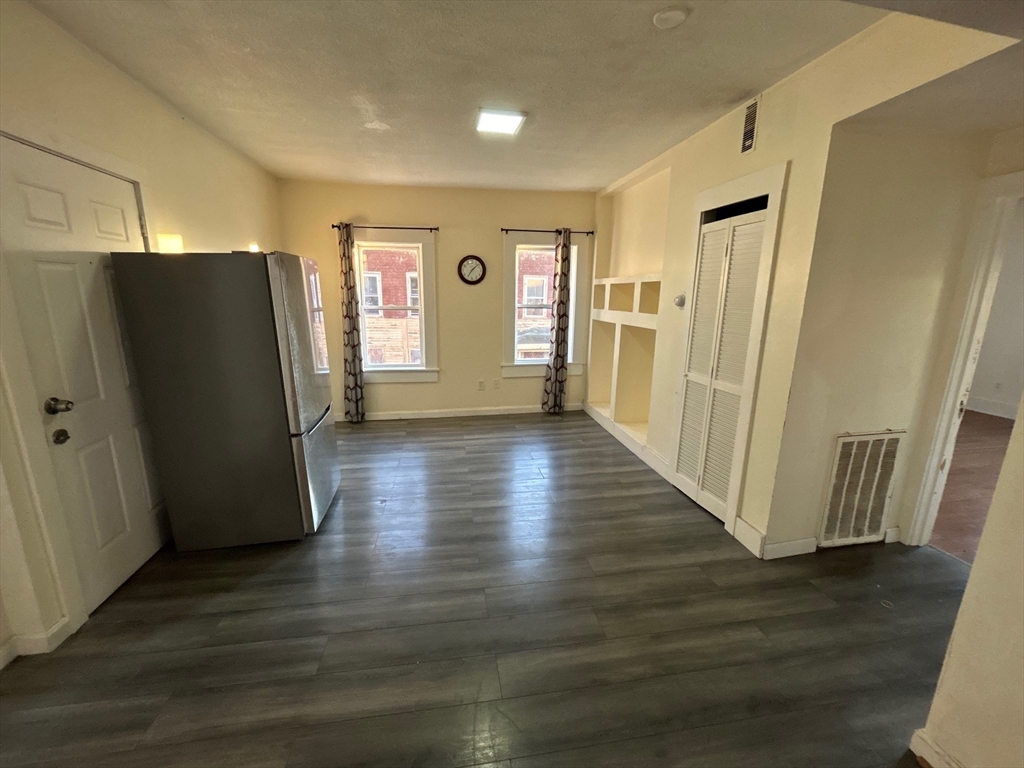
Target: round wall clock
x=472, y=270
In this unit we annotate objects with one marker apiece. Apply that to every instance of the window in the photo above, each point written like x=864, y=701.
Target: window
x=535, y=270
x=371, y=294
x=398, y=321
x=529, y=281
x=315, y=302
x=535, y=291
x=412, y=288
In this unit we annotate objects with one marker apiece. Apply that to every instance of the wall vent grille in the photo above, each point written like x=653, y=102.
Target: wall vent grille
x=750, y=127
x=860, y=488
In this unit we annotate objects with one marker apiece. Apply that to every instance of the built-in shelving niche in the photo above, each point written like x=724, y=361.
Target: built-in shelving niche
x=622, y=338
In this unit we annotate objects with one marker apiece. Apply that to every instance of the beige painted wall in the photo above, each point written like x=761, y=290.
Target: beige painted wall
x=893, y=221
x=64, y=94
x=640, y=221
x=796, y=118
x=469, y=318
x=977, y=714
x=1007, y=153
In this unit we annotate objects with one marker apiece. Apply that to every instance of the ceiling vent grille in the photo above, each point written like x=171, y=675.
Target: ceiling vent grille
x=860, y=488
x=750, y=126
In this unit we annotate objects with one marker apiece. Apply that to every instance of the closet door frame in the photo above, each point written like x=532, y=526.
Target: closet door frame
x=770, y=181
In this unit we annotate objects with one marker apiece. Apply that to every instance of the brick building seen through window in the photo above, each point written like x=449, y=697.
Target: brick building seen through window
x=535, y=291
x=392, y=327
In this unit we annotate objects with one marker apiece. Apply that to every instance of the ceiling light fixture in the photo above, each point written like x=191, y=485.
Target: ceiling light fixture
x=670, y=17
x=491, y=121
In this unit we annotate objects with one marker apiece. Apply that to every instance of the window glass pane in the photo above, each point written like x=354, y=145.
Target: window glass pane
x=533, y=334
x=393, y=338
x=314, y=298
x=391, y=289
x=535, y=270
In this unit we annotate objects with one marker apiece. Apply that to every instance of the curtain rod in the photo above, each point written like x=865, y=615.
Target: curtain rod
x=372, y=226
x=506, y=230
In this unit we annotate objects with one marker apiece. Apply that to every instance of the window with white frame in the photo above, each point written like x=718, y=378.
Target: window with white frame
x=530, y=277
x=397, y=321
x=315, y=302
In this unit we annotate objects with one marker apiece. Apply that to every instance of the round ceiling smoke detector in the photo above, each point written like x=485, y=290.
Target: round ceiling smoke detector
x=670, y=17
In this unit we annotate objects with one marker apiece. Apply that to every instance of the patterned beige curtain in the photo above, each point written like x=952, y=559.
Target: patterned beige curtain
x=558, y=359
x=353, y=350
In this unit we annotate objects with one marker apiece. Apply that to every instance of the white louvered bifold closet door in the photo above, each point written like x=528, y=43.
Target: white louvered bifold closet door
x=717, y=387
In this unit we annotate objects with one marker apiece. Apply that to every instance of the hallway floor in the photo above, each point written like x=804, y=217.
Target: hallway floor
x=978, y=457
x=507, y=591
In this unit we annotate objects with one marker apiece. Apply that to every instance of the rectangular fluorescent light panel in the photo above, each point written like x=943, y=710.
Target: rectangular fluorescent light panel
x=499, y=122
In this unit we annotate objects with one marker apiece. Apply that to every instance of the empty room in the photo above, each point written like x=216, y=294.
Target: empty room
x=511, y=383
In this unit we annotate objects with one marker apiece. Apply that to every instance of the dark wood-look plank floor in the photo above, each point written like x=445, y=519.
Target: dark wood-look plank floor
x=977, y=459
x=513, y=592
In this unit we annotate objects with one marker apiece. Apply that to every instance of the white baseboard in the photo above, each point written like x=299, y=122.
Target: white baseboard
x=921, y=744
x=647, y=455
x=892, y=534
x=789, y=548
x=41, y=642
x=455, y=412
x=745, y=533
x=993, y=407
x=749, y=537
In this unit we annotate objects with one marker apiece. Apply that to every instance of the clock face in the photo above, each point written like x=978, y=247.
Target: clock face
x=472, y=270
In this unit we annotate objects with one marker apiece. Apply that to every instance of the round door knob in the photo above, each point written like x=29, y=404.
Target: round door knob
x=61, y=436
x=55, y=405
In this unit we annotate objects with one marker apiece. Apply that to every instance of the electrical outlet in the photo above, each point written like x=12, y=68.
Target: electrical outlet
x=497, y=383
x=480, y=385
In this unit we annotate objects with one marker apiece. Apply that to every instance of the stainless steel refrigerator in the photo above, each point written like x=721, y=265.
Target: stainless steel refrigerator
x=235, y=390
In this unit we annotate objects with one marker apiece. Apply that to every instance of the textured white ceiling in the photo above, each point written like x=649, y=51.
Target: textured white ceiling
x=388, y=92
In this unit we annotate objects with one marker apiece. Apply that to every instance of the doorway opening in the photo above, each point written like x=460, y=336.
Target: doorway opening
x=991, y=405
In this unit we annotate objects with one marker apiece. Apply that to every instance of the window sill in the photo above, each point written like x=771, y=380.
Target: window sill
x=400, y=376
x=531, y=371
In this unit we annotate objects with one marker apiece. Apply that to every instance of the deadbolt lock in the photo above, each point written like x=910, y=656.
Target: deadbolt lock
x=61, y=436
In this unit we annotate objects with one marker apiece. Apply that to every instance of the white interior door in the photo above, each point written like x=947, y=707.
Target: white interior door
x=729, y=295
x=58, y=223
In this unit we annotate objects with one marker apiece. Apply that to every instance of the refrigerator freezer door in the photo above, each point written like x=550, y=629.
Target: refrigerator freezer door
x=316, y=465
x=201, y=328
x=308, y=389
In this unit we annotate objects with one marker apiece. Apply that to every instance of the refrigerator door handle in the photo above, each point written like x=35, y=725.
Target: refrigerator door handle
x=315, y=427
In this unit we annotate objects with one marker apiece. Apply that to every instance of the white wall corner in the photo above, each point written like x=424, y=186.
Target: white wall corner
x=922, y=745
x=749, y=537
x=7, y=652
x=779, y=549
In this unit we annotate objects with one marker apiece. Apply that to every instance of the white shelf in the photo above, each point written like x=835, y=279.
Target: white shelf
x=636, y=430
x=628, y=279
x=638, y=319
